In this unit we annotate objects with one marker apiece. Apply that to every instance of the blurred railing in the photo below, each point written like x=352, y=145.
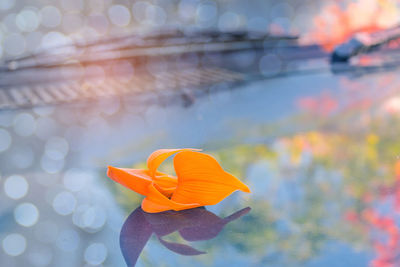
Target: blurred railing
x=165, y=63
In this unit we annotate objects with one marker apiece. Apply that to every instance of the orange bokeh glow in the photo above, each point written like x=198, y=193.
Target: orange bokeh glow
x=337, y=23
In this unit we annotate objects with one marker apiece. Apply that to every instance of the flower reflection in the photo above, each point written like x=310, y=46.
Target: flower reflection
x=193, y=225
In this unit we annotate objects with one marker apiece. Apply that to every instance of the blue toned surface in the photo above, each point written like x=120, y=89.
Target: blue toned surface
x=303, y=144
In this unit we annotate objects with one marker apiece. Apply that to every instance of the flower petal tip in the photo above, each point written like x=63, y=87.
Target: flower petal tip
x=109, y=168
x=246, y=189
x=110, y=171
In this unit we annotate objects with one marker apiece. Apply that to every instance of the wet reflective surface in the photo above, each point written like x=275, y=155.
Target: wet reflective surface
x=320, y=153
x=317, y=143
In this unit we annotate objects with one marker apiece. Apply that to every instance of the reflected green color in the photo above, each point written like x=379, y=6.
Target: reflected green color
x=310, y=188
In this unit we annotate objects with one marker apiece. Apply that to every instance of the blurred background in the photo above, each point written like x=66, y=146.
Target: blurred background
x=299, y=99
x=31, y=26
x=28, y=26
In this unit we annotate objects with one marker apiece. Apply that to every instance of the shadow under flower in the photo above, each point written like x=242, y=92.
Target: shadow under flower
x=192, y=224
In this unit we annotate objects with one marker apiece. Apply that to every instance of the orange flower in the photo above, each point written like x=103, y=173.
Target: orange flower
x=200, y=181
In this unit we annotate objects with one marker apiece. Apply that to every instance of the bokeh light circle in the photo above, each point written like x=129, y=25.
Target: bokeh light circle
x=27, y=20
x=96, y=253
x=14, y=244
x=119, y=15
x=16, y=187
x=64, y=203
x=24, y=124
x=26, y=214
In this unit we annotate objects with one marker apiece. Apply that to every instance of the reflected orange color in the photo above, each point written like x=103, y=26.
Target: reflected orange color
x=200, y=181
x=397, y=169
x=336, y=24
x=324, y=104
x=384, y=228
x=364, y=60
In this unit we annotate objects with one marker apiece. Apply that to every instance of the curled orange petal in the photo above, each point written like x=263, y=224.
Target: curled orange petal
x=202, y=180
x=135, y=179
x=166, y=191
x=165, y=180
x=157, y=202
x=158, y=156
